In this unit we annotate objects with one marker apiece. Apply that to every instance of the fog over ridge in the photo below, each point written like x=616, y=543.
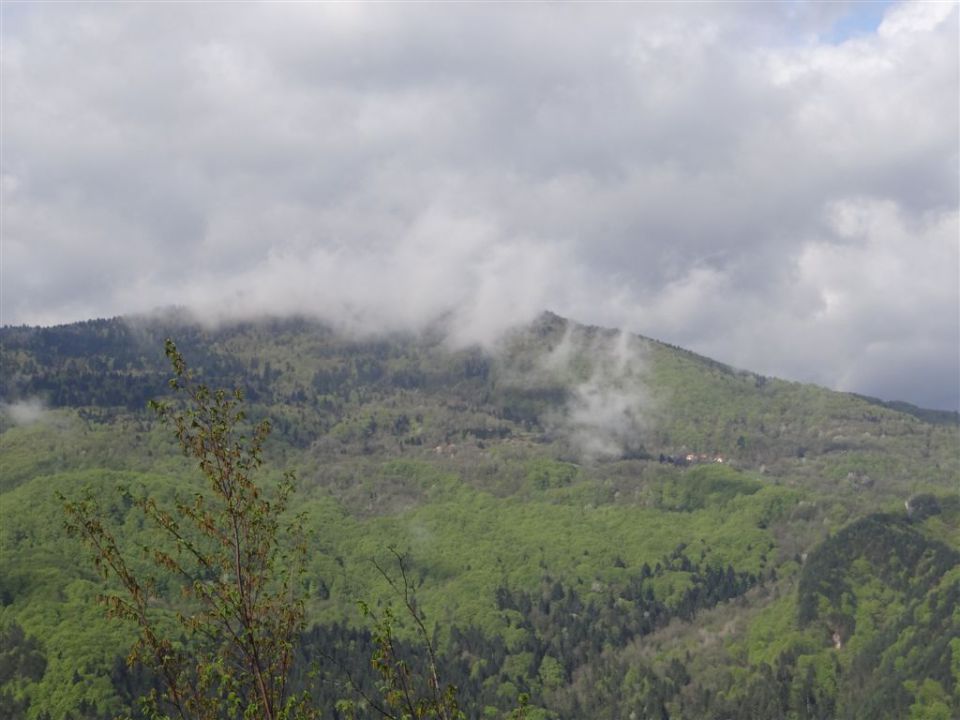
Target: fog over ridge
x=747, y=181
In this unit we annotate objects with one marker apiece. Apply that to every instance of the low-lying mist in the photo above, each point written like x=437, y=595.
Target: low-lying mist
x=602, y=376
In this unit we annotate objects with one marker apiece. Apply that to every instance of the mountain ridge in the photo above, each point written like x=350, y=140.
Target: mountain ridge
x=182, y=317
x=597, y=519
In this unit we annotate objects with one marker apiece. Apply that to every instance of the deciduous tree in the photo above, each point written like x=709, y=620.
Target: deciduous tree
x=230, y=651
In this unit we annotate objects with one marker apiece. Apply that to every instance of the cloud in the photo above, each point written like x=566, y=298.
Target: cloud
x=685, y=172
x=593, y=385
x=608, y=412
x=24, y=412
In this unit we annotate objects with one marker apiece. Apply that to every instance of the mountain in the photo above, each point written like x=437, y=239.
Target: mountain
x=613, y=525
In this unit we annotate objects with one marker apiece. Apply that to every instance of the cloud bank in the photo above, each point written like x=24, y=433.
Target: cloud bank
x=774, y=185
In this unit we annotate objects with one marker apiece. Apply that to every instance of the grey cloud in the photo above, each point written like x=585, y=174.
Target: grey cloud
x=676, y=170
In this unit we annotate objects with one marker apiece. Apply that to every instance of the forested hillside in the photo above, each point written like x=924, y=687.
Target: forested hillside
x=615, y=527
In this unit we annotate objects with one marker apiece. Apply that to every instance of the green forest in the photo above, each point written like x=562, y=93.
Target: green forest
x=602, y=524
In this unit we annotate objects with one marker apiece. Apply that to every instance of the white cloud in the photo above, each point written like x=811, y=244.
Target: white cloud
x=25, y=412
x=683, y=172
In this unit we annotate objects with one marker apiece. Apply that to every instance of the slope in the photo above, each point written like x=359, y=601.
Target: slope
x=572, y=529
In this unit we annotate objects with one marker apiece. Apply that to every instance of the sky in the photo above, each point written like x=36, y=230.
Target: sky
x=772, y=184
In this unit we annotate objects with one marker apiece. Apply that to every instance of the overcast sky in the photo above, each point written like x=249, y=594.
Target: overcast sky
x=773, y=184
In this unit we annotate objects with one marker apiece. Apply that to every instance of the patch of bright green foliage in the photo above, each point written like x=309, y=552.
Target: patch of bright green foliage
x=460, y=459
